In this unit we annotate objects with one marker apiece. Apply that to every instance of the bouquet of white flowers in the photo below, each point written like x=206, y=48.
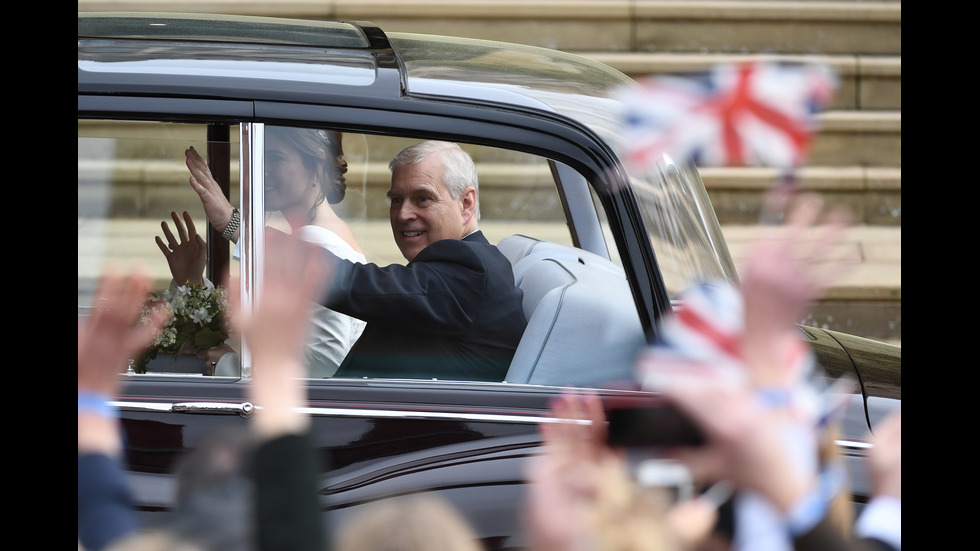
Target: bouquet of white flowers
x=197, y=320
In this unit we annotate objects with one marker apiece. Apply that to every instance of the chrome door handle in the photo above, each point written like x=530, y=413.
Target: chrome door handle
x=244, y=409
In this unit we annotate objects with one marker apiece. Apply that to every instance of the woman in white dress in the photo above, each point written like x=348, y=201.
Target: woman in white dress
x=304, y=176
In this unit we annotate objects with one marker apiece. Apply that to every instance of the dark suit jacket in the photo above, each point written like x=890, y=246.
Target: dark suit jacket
x=452, y=313
x=106, y=507
x=286, y=473
x=287, y=501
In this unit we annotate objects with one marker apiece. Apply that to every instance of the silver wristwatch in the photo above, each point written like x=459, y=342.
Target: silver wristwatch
x=232, y=227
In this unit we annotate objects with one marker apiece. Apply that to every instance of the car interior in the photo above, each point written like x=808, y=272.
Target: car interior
x=578, y=303
x=580, y=315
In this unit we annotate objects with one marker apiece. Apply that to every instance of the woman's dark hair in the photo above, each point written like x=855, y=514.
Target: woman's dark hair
x=323, y=153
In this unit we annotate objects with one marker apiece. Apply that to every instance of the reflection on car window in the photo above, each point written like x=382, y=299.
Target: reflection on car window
x=349, y=215
x=569, y=293
x=131, y=175
x=682, y=226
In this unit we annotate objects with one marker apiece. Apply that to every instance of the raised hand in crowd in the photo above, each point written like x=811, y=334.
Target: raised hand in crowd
x=787, y=268
x=768, y=430
x=886, y=457
x=562, y=477
x=747, y=445
x=286, y=468
x=582, y=495
x=107, y=339
x=751, y=328
x=291, y=279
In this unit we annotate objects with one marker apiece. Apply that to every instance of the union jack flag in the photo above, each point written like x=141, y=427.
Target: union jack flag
x=699, y=343
x=760, y=113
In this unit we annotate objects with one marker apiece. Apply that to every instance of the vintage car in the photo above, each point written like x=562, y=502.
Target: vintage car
x=600, y=253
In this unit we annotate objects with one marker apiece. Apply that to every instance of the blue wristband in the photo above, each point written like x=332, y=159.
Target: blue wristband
x=97, y=403
x=776, y=397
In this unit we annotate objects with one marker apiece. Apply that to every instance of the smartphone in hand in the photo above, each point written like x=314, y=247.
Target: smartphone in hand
x=651, y=425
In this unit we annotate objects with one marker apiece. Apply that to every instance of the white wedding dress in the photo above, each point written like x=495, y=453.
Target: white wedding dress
x=332, y=334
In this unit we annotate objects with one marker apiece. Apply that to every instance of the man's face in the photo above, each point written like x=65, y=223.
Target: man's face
x=422, y=209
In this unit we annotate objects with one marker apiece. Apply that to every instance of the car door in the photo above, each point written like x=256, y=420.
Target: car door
x=378, y=437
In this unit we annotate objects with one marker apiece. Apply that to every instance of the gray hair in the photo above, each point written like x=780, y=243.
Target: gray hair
x=460, y=169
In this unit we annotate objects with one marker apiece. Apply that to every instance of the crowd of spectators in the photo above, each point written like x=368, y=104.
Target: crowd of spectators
x=743, y=376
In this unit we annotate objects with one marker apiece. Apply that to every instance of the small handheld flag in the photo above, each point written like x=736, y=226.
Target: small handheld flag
x=760, y=113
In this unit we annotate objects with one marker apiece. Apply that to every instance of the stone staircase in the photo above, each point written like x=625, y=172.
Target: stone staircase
x=855, y=159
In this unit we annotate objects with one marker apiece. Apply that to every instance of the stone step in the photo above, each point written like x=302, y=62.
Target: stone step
x=866, y=138
x=808, y=26
x=856, y=159
x=874, y=195
x=844, y=138
x=865, y=82
x=865, y=301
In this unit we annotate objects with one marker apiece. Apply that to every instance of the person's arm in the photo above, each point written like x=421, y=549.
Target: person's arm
x=755, y=423
x=286, y=468
x=561, y=479
x=785, y=271
x=220, y=212
x=106, y=341
x=444, y=286
x=881, y=522
x=106, y=507
x=581, y=490
x=881, y=518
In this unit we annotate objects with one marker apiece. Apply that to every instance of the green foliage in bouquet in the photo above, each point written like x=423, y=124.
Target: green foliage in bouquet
x=197, y=320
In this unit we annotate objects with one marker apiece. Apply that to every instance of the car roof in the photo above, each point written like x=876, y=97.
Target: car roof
x=264, y=58
x=354, y=76
x=233, y=29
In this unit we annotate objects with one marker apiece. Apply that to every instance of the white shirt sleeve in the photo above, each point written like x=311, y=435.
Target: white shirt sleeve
x=881, y=519
x=332, y=334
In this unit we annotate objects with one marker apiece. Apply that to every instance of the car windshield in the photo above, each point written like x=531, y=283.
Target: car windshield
x=682, y=225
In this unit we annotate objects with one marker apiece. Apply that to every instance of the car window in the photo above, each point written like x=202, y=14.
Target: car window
x=682, y=226
x=132, y=174
x=517, y=194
